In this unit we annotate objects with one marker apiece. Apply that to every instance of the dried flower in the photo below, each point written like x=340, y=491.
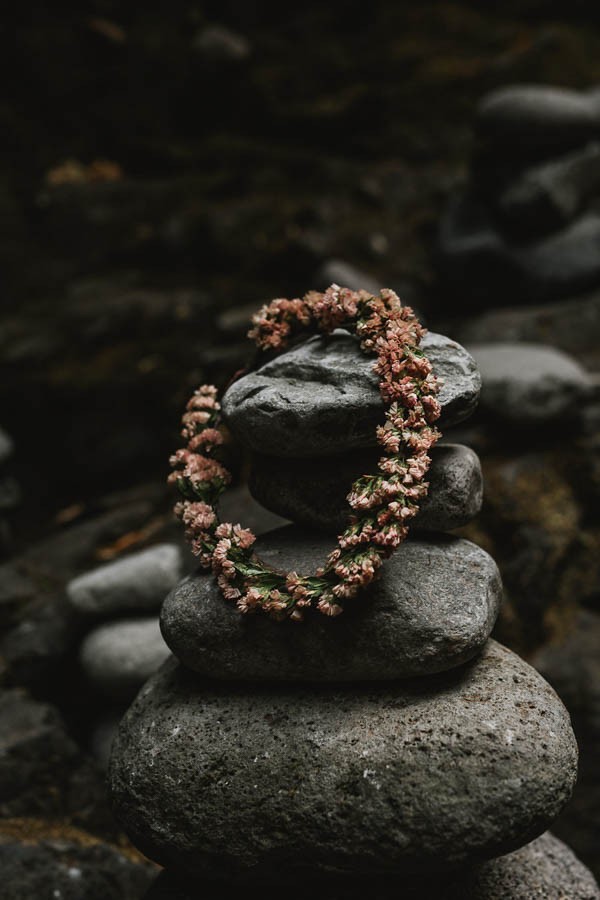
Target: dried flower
x=383, y=503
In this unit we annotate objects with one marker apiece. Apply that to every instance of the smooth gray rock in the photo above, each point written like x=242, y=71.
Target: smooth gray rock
x=480, y=262
x=545, y=869
x=322, y=397
x=433, y=608
x=119, y=657
x=313, y=492
x=521, y=116
x=337, y=271
x=572, y=325
x=138, y=582
x=271, y=783
x=548, y=196
x=529, y=384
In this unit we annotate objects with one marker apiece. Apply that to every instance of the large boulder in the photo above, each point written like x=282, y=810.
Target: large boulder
x=271, y=783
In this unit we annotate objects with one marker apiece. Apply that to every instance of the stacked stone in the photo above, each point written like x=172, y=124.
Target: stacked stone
x=395, y=744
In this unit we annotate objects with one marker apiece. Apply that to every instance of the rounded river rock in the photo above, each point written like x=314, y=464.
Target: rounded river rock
x=322, y=397
x=272, y=783
x=433, y=608
x=313, y=492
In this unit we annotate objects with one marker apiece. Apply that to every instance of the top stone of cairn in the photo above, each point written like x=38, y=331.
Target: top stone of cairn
x=322, y=397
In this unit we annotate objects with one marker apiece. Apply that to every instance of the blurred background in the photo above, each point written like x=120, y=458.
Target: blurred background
x=167, y=168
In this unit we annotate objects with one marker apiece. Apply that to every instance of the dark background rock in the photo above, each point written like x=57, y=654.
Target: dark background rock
x=47, y=860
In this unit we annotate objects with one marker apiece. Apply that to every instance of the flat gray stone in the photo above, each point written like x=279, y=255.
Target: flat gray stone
x=545, y=869
x=547, y=196
x=433, y=608
x=271, y=783
x=313, y=492
x=524, y=115
x=529, y=383
x=119, y=657
x=322, y=397
x=138, y=582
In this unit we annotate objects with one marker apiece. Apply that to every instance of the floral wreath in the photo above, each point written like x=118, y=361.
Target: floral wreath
x=381, y=504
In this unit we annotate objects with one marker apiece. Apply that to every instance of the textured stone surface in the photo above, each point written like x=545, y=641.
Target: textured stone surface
x=547, y=196
x=433, y=608
x=529, y=383
x=247, y=782
x=545, y=869
x=49, y=861
x=119, y=657
x=136, y=582
x=476, y=258
x=322, y=396
x=522, y=115
x=313, y=492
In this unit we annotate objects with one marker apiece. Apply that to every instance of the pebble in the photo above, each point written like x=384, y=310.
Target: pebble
x=313, y=492
x=322, y=397
x=529, y=384
x=518, y=117
x=272, y=783
x=138, y=582
x=119, y=657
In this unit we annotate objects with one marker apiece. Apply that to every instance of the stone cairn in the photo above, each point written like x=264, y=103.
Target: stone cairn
x=396, y=749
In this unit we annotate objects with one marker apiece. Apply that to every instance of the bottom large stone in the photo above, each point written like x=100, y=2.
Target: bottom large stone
x=266, y=783
x=545, y=869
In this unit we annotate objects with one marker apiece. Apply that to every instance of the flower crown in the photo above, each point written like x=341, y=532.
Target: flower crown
x=381, y=504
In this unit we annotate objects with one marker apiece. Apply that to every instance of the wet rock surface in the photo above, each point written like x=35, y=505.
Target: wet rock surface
x=432, y=609
x=322, y=397
x=310, y=769
x=313, y=492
